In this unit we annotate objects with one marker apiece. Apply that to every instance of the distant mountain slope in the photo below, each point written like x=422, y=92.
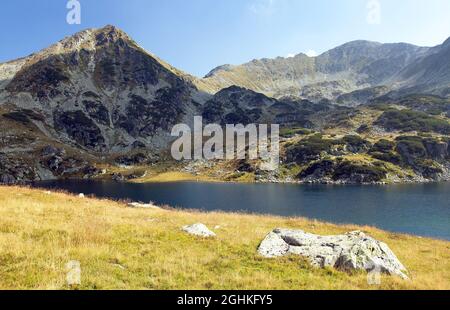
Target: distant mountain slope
x=353, y=66
x=428, y=74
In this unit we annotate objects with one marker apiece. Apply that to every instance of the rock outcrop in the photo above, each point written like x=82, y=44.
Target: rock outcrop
x=352, y=251
x=199, y=230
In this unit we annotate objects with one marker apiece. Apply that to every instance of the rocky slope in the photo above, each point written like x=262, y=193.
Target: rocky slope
x=428, y=74
x=97, y=99
x=100, y=91
x=237, y=105
x=360, y=65
x=97, y=92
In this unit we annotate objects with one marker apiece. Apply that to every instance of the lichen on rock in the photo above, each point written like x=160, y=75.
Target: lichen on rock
x=352, y=251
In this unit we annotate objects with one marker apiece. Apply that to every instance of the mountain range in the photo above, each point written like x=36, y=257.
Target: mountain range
x=353, y=67
x=98, y=95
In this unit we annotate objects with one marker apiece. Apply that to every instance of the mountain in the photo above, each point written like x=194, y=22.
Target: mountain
x=354, y=66
x=97, y=99
x=99, y=90
x=428, y=74
x=86, y=98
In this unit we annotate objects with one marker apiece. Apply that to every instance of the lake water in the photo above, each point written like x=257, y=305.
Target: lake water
x=420, y=209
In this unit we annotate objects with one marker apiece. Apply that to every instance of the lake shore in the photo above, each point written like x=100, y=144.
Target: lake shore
x=119, y=247
x=145, y=174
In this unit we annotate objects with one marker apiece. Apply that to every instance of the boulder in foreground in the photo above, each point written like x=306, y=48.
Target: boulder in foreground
x=199, y=230
x=352, y=251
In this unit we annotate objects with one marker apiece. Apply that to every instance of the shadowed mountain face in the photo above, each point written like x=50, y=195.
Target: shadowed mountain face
x=358, y=65
x=236, y=105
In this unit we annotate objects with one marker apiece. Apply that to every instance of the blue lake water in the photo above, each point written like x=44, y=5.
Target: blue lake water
x=420, y=209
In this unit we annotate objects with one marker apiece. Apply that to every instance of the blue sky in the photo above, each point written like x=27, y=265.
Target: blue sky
x=198, y=35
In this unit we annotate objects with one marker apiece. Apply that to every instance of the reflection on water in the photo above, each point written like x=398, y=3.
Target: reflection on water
x=421, y=209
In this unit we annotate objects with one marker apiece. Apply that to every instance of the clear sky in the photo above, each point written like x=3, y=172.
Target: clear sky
x=198, y=35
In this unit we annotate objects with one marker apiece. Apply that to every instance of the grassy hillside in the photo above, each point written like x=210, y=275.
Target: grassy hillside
x=124, y=248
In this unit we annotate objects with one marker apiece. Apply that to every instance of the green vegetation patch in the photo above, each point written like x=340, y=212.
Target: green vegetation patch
x=411, y=146
x=409, y=120
x=384, y=150
x=309, y=149
x=383, y=146
x=291, y=132
x=422, y=153
x=346, y=171
x=356, y=144
x=360, y=173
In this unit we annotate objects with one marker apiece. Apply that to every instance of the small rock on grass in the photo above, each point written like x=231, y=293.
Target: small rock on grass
x=138, y=205
x=199, y=230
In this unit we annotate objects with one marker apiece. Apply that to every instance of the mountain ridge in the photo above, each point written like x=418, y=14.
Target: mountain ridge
x=98, y=98
x=351, y=66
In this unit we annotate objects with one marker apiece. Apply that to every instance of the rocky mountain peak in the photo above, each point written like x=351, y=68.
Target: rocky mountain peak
x=111, y=29
x=101, y=91
x=107, y=55
x=90, y=39
x=111, y=34
x=358, y=44
x=226, y=67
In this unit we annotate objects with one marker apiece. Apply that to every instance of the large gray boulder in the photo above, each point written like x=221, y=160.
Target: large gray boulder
x=352, y=251
x=199, y=230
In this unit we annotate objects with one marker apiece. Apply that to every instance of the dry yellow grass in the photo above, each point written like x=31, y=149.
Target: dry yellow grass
x=172, y=176
x=123, y=248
